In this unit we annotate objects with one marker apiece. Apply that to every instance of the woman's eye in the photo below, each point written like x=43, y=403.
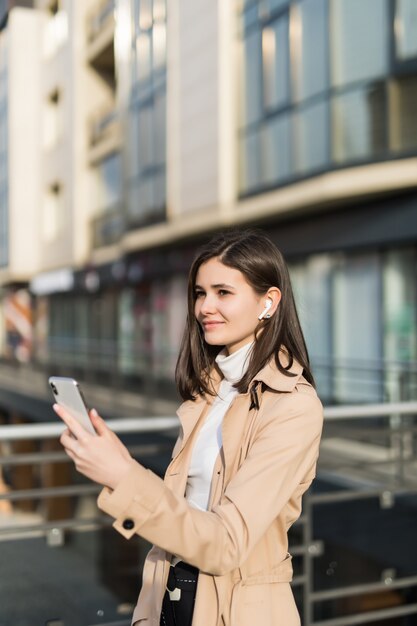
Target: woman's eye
x=223, y=291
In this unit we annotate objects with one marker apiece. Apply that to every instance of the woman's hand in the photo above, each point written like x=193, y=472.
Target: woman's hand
x=103, y=457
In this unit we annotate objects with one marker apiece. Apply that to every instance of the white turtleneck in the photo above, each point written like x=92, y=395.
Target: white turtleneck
x=209, y=438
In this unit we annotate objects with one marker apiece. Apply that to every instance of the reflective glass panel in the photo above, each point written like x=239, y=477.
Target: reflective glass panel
x=400, y=324
x=273, y=5
x=357, y=328
x=312, y=125
x=276, y=149
x=311, y=42
x=249, y=161
x=406, y=29
x=252, y=77
x=358, y=51
x=143, y=56
x=358, y=123
x=312, y=291
x=362, y=542
x=403, y=118
x=275, y=58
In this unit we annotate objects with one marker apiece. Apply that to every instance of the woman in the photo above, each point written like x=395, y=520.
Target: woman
x=251, y=423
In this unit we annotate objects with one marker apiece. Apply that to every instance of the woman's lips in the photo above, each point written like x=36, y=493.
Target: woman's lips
x=210, y=325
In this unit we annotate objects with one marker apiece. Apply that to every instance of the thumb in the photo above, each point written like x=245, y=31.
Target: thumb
x=98, y=422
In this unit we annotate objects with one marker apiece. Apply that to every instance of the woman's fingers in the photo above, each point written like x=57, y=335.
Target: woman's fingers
x=69, y=442
x=73, y=425
x=99, y=424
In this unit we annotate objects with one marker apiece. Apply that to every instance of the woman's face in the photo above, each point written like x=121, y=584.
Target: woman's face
x=226, y=306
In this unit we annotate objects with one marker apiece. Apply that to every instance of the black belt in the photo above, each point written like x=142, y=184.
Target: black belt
x=181, y=577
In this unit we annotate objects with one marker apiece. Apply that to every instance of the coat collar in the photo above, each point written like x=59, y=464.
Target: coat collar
x=269, y=375
x=274, y=379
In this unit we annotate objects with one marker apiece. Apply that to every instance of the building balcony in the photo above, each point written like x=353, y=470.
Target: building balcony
x=100, y=37
x=108, y=227
x=104, y=133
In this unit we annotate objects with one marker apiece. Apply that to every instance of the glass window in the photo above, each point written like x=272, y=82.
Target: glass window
x=400, y=322
x=357, y=330
x=252, y=78
x=159, y=45
x=144, y=14
x=275, y=57
x=276, y=149
x=146, y=147
x=273, y=5
x=359, y=52
x=143, y=56
x=403, y=119
x=312, y=291
x=160, y=128
x=108, y=187
x=250, y=161
x=406, y=29
x=159, y=191
x=311, y=42
x=358, y=120
x=312, y=137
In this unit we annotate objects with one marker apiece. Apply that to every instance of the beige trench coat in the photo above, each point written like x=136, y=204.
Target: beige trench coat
x=267, y=461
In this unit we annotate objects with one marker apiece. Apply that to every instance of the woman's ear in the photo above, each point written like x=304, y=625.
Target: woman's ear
x=274, y=294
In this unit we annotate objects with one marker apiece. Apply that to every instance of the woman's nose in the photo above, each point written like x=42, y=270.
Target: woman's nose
x=207, y=305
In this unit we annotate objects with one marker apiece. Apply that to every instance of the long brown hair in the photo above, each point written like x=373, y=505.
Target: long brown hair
x=251, y=252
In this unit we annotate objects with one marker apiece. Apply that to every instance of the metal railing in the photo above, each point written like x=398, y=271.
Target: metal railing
x=367, y=468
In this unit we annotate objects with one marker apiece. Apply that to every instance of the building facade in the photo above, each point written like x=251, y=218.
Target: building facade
x=163, y=125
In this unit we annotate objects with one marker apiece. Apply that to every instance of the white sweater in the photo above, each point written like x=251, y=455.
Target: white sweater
x=209, y=438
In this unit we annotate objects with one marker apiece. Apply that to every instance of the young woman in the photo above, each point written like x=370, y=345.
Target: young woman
x=251, y=423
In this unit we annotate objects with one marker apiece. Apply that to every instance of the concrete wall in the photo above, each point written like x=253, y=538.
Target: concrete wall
x=24, y=142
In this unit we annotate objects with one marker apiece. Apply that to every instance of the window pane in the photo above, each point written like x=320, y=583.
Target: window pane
x=252, y=77
x=273, y=5
x=276, y=149
x=357, y=330
x=143, y=56
x=145, y=14
x=406, y=28
x=403, y=120
x=158, y=45
x=146, y=148
x=160, y=128
x=312, y=48
x=358, y=51
x=359, y=124
x=275, y=57
x=312, y=137
x=108, y=182
x=400, y=317
x=249, y=161
x=312, y=291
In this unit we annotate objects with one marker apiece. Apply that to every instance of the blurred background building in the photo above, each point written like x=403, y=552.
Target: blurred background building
x=131, y=131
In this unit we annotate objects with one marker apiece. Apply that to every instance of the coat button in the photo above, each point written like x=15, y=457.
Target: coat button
x=128, y=524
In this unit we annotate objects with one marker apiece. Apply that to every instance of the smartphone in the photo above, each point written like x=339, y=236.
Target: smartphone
x=68, y=394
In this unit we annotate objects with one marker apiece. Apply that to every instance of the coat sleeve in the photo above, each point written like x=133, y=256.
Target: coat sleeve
x=284, y=450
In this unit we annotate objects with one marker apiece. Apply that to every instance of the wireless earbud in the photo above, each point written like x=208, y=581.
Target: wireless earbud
x=268, y=304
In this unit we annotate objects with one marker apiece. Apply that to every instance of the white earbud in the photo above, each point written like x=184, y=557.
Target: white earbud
x=268, y=304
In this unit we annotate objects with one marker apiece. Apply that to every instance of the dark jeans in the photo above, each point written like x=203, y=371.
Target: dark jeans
x=180, y=612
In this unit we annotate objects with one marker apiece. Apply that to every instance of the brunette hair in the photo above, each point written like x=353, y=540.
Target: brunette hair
x=251, y=252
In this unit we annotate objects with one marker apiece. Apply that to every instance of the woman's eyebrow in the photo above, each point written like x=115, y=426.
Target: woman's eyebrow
x=216, y=286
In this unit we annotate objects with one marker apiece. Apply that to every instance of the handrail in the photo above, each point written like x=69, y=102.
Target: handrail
x=51, y=430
